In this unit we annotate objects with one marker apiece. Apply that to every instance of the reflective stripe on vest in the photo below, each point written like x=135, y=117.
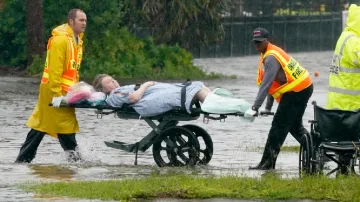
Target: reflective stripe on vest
x=336, y=68
x=298, y=78
x=73, y=65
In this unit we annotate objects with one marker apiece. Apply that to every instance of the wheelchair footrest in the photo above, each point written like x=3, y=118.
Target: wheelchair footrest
x=121, y=145
x=341, y=146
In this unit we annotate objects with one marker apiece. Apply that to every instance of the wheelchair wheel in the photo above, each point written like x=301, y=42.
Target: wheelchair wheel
x=355, y=165
x=305, y=156
x=314, y=166
x=205, y=141
x=176, y=146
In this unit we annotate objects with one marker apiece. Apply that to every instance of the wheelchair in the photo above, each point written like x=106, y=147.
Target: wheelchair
x=334, y=136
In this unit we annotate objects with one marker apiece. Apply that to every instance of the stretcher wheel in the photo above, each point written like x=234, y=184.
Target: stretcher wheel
x=205, y=141
x=304, y=156
x=176, y=146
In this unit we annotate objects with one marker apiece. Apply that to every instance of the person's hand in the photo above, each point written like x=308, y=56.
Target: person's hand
x=149, y=83
x=56, y=101
x=250, y=114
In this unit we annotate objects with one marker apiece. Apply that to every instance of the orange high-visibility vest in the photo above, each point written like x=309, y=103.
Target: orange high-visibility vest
x=73, y=65
x=297, y=77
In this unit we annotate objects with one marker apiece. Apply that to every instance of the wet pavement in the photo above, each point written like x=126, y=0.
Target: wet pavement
x=235, y=142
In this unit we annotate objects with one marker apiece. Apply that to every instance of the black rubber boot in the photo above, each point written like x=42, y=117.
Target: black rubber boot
x=268, y=159
x=69, y=144
x=267, y=165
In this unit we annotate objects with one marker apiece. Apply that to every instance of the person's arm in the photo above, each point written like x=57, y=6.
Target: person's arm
x=135, y=96
x=56, y=61
x=269, y=102
x=272, y=66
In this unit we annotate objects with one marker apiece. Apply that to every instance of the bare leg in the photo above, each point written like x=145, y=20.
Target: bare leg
x=201, y=95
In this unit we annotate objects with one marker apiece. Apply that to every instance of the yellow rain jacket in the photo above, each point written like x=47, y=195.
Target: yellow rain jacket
x=48, y=119
x=344, y=79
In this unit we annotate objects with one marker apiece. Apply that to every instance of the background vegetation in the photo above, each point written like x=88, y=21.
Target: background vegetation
x=113, y=43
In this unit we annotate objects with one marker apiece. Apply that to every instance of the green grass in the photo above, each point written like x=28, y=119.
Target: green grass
x=268, y=188
x=294, y=149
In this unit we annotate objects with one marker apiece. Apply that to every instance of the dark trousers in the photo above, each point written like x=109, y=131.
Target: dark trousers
x=288, y=118
x=28, y=150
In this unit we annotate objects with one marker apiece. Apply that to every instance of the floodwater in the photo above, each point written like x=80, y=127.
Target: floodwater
x=235, y=143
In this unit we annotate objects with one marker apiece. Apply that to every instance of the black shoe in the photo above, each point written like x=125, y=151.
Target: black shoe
x=17, y=161
x=22, y=161
x=73, y=156
x=265, y=166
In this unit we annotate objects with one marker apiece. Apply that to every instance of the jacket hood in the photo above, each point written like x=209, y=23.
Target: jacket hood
x=353, y=19
x=64, y=29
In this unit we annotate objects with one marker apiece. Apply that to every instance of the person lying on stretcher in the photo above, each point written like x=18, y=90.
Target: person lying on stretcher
x=153, y=98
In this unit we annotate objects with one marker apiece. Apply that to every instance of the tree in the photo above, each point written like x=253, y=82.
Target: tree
x=189, y=23
x=34, y=29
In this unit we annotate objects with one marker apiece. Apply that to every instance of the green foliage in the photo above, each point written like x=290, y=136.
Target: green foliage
x=37, y=67
x=109, y=46
x=127, y=56
x=13, y=49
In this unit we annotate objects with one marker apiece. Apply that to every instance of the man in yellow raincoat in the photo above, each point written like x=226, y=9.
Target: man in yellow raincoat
x=64, y=56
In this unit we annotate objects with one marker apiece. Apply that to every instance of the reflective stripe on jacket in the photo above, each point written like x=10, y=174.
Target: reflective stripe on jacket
x=297, y=77
x=73, y=65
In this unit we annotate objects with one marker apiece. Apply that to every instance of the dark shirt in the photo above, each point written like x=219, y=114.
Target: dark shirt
x=272, y=72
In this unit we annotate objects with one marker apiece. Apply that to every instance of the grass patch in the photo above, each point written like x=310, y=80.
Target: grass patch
x=294, y=149
x=268, y=188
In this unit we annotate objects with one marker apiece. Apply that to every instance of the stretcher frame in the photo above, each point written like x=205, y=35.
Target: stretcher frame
x=182, y=145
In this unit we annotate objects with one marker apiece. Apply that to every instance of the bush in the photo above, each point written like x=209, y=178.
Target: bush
x=13, y=34
x=108, y=45
x=126, y=56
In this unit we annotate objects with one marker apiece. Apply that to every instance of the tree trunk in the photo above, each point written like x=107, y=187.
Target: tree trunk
x=35, y=29
x=2, y=4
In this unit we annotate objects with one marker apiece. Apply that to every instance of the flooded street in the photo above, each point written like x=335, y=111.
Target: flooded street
x=236, y=144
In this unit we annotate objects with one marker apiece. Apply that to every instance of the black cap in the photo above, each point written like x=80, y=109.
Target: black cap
x=260, y=34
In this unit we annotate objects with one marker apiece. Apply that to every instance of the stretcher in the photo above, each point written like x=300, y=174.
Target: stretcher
x=172, y=145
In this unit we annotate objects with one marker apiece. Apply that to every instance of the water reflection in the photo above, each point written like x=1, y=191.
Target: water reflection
x=53, y=172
